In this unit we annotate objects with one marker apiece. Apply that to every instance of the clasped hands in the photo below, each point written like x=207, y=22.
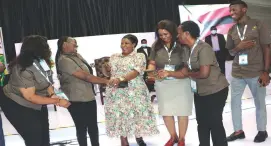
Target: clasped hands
x=61, y=102
x=160, y=74
x=163, y=74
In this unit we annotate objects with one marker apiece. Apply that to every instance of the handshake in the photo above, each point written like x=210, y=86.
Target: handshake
x=114, y=82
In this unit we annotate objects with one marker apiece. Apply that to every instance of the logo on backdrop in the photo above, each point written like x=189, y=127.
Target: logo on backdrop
x=207, y=16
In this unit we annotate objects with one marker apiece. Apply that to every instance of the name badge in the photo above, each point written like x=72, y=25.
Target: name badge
x=194, y=86
x=44, y=65
x=64, y=96
x=243, y=59
x=169, y=68
x=61, y=94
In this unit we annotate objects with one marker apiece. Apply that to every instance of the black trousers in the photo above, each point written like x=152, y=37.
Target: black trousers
x=32, y=125
x=209, y=110
x=84, y=115
x=222, y=66
x=221, y=63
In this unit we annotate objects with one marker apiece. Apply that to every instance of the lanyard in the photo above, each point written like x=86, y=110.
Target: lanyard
x=239, y=34
x=192, y=49
x=169, y=53
x=46, y=76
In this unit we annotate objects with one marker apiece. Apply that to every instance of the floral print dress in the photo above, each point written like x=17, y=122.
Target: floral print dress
x=128, y=111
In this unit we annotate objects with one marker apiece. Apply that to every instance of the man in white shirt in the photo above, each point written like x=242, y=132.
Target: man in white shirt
x=218, y=42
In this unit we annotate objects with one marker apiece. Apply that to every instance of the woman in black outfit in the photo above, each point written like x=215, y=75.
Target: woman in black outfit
x=209, y=85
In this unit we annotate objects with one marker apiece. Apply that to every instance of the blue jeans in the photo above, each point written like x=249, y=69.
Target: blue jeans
x=259, y=93
x=2, y=137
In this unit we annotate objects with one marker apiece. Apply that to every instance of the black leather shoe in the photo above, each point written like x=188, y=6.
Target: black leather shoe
x=234, y=137
x=140, y=141
x=153, y=97
x=261, y=136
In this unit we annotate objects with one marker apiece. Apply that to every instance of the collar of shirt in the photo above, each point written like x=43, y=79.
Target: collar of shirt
x=73, y=54
x=243, y=23
x=131, y=54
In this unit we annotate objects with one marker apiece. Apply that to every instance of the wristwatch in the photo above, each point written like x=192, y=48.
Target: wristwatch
x=122, y=79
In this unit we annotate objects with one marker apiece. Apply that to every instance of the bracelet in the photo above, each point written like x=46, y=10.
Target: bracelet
x=122, y=79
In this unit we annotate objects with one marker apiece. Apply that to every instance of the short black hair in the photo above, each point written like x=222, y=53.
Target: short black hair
x=239, y=2
x=60, y=43
x=143, y=40
x=192, y=28
x=132, y=38
x=213, y=28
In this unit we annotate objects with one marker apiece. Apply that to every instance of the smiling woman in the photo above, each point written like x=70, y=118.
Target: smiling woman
x=174, y=95
x=209, y=85
x=128, y=43
x=29, y=90
x=128, y=108
x=76, y=80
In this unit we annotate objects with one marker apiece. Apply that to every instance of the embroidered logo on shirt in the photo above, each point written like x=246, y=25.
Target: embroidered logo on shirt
x=254, y=27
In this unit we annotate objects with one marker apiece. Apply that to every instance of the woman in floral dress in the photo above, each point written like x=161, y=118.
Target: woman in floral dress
x=128, y=110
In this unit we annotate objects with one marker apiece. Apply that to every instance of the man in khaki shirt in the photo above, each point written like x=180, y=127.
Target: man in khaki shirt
x=248, y=40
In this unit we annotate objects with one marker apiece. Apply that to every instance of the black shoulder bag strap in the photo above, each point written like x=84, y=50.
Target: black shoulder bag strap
x=89, y=68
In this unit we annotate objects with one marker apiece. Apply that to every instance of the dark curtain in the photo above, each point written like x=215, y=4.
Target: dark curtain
x=55, y=18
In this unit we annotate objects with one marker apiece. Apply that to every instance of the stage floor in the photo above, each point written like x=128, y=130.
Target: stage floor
x=63, y=130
